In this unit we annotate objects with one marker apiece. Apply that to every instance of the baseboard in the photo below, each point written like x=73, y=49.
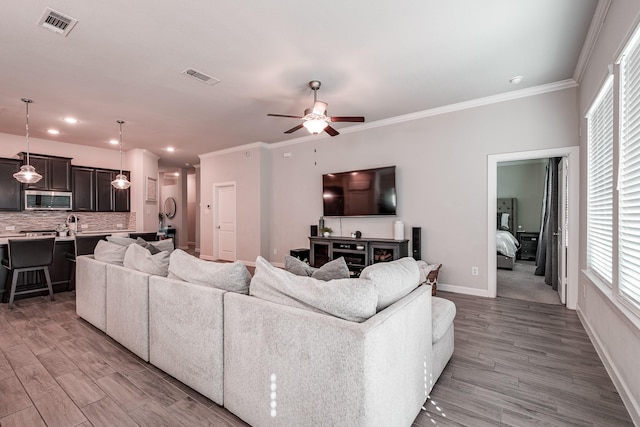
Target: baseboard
x=463, y=290
x=618, y=380
x=208, y=257
x=184, y=248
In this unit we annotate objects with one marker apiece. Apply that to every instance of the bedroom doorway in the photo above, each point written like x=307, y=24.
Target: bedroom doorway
x=570, y=162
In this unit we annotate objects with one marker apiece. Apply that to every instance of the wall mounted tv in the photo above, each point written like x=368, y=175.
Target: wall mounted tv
x=360, y=193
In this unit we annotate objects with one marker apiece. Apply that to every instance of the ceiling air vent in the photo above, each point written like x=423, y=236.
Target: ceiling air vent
x=202, y=77
x=57, y=22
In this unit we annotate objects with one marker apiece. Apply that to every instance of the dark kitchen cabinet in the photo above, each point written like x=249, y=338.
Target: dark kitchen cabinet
x=108, y=199
x=10, y=188
x=84, y=188
x=55, y=171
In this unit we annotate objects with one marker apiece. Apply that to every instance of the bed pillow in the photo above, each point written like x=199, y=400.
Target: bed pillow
x=228, y=276
x=393, y=280
x=109, y=252
x=138, y=258
x=350, y=299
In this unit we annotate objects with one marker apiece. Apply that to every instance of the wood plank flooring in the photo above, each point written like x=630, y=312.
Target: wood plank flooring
x=515, y=364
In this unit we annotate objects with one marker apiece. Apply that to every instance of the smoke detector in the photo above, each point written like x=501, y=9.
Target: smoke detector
x=200, y=76
x=57, y=22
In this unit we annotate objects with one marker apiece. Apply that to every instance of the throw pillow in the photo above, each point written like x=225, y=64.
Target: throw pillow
x=147, y=245
x=297, y=267
x=349, y=299
x=138, y=258
x=336, y=269
x=228, y=276
x=109, y=252
x=393, y=280
x=120, y=240
x=163, y=245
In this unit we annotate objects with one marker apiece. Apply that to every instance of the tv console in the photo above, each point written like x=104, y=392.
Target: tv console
x=358, y=253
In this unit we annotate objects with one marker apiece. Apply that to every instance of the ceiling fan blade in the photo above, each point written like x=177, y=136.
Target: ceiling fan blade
x=347, y=119
x=331, y=131
x=293, y=129
x=284, y=115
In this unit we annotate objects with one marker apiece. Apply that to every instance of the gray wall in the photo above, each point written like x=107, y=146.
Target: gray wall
x=614, y=330
x=524, y=181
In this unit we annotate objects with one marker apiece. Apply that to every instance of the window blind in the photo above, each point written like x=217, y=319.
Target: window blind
x=600, y=184
x=629, y=177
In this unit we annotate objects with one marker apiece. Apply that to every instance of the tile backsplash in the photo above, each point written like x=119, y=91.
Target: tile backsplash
x=47, y=220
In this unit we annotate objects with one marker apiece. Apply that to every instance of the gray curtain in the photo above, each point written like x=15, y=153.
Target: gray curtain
x=547, y=253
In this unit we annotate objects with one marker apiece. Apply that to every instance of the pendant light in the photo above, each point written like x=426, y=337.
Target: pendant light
x=27, y=174
x=121, y=182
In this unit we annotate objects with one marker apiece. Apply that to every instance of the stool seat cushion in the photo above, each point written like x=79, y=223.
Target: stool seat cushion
x=443, y=312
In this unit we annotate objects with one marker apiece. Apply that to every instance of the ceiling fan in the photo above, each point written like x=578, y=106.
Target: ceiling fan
x=316, y=119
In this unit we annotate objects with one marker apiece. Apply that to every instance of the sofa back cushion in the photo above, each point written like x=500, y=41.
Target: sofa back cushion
x=393, y=280
x=109, y=252
x=228, y=276
x=141, y=259
x=349, y=299
x=335, y=269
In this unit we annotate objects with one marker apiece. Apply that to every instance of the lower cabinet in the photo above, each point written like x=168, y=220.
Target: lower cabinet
x=357, y=253
x=59, y=270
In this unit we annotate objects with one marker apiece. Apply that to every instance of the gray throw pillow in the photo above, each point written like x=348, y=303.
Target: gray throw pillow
x=336, y=269
x=297, y=267
x=147, y=245
x=140, y=259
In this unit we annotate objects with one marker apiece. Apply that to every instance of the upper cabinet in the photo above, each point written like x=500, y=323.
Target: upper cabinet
x=92, y=191
x=55, y=171
x=10, y=191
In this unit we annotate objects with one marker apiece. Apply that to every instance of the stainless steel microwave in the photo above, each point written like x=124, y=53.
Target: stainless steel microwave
x=48, y=200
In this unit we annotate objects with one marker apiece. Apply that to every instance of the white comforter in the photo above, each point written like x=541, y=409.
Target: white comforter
x=506, y=244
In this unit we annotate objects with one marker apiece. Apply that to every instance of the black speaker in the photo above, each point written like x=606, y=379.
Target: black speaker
x=416, y=242
x=313, y=231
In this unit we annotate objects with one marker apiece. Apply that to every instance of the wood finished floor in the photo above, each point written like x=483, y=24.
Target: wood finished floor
x=515, y=364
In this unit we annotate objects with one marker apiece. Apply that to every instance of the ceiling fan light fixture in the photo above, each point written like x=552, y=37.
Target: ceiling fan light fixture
x=315, y=126
x=27, y=174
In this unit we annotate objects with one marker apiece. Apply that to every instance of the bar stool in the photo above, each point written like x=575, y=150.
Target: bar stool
x=83, y=245
x=149, y=237
x=29, y=255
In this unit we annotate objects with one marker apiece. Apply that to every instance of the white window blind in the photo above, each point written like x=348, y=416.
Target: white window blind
x=629, y=177
x=600, y=184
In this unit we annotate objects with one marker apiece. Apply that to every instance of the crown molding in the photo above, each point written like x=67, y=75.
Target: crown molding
x=592, y=37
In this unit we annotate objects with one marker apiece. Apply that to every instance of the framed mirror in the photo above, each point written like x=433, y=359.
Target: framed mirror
x=170, y=207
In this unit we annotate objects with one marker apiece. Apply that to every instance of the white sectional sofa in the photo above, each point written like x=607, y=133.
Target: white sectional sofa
x=272, y=363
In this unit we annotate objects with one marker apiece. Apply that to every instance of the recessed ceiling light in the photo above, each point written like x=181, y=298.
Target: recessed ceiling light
x=114, y=141
x=171, y=149
x=53, y=131
x=516, y=80
x=177, y=174
x=71, y=120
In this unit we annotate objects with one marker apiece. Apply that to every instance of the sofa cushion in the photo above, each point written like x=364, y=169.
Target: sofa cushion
x=121, y=240
x=109, y=252
x=228, y=276
x=141, y=259
x=393, y=280
x=349, y=299
x=443, y=312
x=336, y=269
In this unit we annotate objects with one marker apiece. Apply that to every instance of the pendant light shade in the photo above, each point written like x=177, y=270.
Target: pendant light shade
x=121, y=182
x=27, y=174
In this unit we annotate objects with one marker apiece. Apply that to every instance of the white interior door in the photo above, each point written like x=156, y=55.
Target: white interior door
x=225, y=226
x=563, y=229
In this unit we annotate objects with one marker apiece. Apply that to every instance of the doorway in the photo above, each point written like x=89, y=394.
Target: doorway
x=570, y=242
x=224, y=225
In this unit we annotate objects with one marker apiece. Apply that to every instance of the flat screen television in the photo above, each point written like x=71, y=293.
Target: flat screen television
x=365, y=192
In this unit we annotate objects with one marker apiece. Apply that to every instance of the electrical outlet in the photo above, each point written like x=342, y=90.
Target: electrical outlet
x=84, y=226
x=119, y=225
x=10, y=228
x=474, y=271
x=275, y=251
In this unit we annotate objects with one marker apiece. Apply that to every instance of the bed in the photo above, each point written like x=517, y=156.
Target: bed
x=506, y=244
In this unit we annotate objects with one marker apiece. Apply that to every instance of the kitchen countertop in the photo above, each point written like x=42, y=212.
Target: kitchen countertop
x=5, y=236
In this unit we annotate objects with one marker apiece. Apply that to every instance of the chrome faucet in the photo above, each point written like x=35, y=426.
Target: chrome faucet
x=72, y=219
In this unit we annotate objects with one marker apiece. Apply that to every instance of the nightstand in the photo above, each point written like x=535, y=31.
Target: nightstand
x=528, y=245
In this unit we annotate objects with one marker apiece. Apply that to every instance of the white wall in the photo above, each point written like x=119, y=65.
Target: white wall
x=524, y=181
x=191, y=208
x=143, y=164
x=614, y=331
